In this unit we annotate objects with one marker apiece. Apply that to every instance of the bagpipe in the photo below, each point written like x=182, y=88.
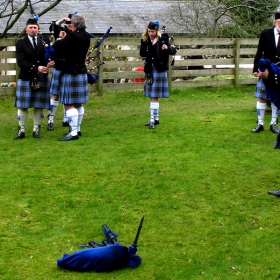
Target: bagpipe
x=272, y=84
x=92, y=78
x=50, y=53
x=107, y=256
x=49, y=50
x=162, y=55
x=169, y=41
x=35, y=83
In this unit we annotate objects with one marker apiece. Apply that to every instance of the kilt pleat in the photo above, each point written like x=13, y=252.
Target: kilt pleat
x=73, y=89
x=55, y=82
x=28, y=98
x=159, y=87
x=260, y=90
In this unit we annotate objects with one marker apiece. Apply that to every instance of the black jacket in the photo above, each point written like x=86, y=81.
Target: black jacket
x=266, y=48
x=155, y=56
x=28, y=59
x=72, y=51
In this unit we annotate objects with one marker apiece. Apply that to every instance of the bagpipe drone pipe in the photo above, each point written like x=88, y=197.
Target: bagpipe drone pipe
x=272, y=86
x=103, y=257
x=49, y=50
x=50, y=53
x=93, y=77
x=167, y=40
x=35, y=83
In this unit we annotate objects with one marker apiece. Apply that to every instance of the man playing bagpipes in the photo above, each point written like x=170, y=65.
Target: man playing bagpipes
x=155, y=48
x=59, y=29
x=73, y=89
x=33, y=85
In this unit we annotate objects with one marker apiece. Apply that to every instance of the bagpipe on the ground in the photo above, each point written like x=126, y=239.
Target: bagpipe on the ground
x=107, y=258
x=103, y=257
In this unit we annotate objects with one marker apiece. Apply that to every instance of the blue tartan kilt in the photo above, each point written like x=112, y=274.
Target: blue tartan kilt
x=28, y=98
x=73, y=89
x=260, y=90
x=159, y=87
x=55, y=82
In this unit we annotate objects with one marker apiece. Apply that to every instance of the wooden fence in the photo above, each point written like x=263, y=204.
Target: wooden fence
x=226, y=62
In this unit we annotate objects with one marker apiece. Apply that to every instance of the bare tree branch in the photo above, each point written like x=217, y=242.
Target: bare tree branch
x=205, y=17
x=12, y=10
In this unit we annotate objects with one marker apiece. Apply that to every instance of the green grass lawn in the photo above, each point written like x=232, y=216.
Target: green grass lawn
x=200, y=178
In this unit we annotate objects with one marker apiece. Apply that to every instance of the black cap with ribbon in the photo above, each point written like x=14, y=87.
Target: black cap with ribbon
x=154, y=25
x=74, y=13
x=32, y=21
x=277, y=15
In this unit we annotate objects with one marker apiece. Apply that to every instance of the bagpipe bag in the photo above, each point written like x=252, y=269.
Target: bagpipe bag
x=272, y=83
x=100, y=259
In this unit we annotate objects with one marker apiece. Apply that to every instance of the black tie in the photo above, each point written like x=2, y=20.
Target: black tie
x=34, y=43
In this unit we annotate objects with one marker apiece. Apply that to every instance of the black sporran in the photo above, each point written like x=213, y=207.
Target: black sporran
x=35, y=83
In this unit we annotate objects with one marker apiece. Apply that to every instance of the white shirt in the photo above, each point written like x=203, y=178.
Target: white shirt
x=31, y=40
x=276, y=36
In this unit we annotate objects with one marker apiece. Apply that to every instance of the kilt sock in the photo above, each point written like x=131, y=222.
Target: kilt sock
x=72, y=117
x=22, y=118
x=154, y=107
x=273, y=114
x=81, y=112
x=65, y=119
x=37, y=118
x=261, y=112
x=52, y=112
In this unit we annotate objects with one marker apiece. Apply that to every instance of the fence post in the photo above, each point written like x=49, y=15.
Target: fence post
x=100, y=72
x=169, y=75
x=237, y=61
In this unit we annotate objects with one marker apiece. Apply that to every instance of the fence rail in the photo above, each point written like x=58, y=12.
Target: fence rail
x=225, y=61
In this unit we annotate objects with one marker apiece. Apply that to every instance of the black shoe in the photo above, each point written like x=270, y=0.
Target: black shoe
x=152, y=125
x=36, y=134
x=20, y=135
x=258, y=128
x=69, y=137
x=50, y=126
x=79, y=133
x=277, y=142
x=155, y=123
x=65, y=123
x=276, y=193
x=273, y=128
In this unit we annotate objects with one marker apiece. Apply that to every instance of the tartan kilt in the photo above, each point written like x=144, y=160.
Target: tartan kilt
x=55, y=81
x=260, y=90
x=27, y=98
x=73, y=89
x=159, y=87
